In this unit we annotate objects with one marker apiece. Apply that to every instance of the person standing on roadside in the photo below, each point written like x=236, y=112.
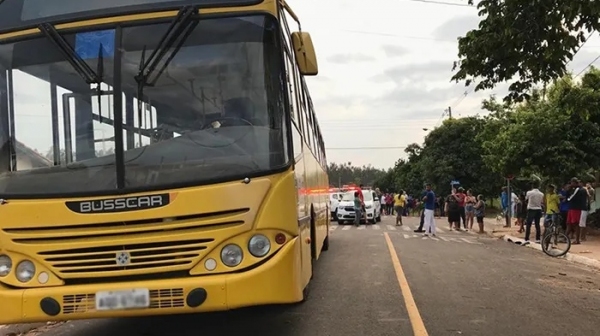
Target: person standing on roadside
x=504, y=201
x=389, y=200
x=480, y=212
x=358, y=206
x=563, y=195
x=452, y=209
x=429, y=210
x=399, y=203
x=584, y=213
x=535, y=199
x=362, y=199
x=552, y=202
x=521, y=212
x=577, y=203
x=462, y=197
x=420, y=207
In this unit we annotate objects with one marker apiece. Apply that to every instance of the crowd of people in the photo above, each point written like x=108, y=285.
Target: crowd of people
x=568, y=206
x=459, y=206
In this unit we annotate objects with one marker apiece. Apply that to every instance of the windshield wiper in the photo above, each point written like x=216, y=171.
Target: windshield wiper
x=80, y=66
x=177, y=33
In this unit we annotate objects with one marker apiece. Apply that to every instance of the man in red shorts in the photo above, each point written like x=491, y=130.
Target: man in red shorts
x=577, y=203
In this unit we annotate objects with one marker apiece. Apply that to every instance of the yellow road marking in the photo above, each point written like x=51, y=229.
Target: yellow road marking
x=413, y=312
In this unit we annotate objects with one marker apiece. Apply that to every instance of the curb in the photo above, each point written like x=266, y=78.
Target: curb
x=569, y=256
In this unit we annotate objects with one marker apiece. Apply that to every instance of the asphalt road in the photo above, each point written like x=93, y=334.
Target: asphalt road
x=460, y=284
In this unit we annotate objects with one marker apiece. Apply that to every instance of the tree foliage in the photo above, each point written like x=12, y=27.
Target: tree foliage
x=450, y=152
x=529, y=39
x=346, y=173
x=553, y=138
x=556, y=138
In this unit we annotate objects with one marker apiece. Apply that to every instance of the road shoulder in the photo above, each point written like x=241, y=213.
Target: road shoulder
x=27, y=329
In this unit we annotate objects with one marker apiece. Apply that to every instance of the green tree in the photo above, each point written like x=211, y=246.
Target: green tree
x=530, y=40
x=452, y=151
x=346, y=173
x=555, y=139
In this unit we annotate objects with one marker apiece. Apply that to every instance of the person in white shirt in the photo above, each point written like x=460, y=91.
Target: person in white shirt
x=535, y=199
x=514, y=199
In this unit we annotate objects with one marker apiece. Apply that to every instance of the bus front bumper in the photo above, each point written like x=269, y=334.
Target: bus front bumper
x=276, y=281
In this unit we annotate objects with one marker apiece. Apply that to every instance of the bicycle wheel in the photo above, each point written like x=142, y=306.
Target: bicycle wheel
x=556, y=244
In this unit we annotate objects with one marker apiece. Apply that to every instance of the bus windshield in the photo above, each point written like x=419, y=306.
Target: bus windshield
x=215, y=113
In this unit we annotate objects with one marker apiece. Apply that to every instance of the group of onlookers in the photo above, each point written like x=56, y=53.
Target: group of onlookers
x=458, y=205
x=569, y=206
x=461, y=205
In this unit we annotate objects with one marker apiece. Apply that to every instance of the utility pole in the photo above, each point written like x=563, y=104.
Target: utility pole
x=449, y=112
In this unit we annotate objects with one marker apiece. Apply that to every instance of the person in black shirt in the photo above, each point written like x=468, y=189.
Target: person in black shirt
x=452, y=209
x=578, y=202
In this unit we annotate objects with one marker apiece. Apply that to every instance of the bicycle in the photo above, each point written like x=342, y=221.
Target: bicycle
x=553, y=235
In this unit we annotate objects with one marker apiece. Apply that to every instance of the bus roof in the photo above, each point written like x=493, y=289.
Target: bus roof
x=21, y=14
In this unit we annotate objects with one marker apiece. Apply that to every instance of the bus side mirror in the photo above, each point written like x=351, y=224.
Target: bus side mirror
x=305, y=53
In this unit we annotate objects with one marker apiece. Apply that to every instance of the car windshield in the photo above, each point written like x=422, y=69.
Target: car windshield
x=215, y=113
x=349, y=196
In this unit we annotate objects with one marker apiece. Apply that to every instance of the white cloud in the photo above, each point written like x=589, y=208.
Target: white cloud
x=406, y=87
x=350, y=58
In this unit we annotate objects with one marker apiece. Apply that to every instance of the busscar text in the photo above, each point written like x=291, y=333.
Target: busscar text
x=128, y=203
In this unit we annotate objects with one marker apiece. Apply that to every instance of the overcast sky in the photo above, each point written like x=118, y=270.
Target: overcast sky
x=384, y=76
x=385, y=72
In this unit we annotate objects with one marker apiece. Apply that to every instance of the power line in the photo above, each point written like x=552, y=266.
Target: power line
x=580, y=47
x=387, y=120
x=434, y=2
x=589, y=65
x=441, y=118
x=395, y=35
x=360, y=148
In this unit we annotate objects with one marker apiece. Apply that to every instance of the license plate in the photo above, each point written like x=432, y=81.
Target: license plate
x=125, y=299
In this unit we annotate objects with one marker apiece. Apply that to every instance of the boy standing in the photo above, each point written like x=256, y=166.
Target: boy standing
x=429, y=210
x=552, y=204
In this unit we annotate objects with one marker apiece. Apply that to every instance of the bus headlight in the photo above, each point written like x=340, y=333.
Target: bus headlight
x=259, y=246
x=232, y=255
x=5, y=265
x=25, y=271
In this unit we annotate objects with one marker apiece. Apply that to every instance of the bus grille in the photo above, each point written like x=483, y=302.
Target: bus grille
x=126, y=257
x=159, y=299
x=116, y=249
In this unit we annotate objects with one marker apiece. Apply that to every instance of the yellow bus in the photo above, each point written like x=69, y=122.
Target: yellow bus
x=156, y=157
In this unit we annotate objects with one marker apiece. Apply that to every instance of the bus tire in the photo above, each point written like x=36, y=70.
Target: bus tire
x=306, y=289
x=313, y=235
x=326, y=241
x=305, y=293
